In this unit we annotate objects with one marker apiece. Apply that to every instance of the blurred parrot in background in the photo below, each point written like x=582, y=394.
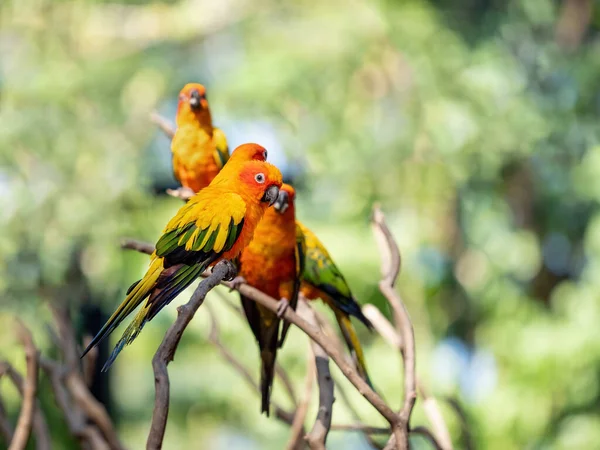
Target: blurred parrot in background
x=322, y=279
x=199, y=150
x=272, y=263
x=215, y=224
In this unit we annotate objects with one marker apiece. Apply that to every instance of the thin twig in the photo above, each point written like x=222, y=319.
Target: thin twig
x=467, y=439
x=344, y=396
x=164, y=124
x=166, y=351
x=313, y=332
x=296, y=439
x=40, y=428
x=432, y=411
x=434, y=415
x=359, y=427
x=94, y=411
x=30, y=386
x=279, y=370
x=424, y=431
x=182, y=193
x=5, y=427
x=213, y=338
x=390, y=268
x=317, y=437
x=74, y=417
x=138, y=246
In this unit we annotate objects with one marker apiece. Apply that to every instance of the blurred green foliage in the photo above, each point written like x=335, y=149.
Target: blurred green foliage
x=473, y=122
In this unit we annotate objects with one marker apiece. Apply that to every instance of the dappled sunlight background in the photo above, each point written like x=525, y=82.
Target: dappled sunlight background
x=474, y=123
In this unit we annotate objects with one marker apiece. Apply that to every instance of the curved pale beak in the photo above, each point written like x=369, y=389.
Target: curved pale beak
x=270, y=195
x=282, y=203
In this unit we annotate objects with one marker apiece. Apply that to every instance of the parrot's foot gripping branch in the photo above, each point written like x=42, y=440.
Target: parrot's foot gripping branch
x=237, y=282
x=281, y=308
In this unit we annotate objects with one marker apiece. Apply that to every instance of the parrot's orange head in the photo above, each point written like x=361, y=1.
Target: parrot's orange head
x=261, y=181
x=193, y=105
x=248, y=152
x=285, y=200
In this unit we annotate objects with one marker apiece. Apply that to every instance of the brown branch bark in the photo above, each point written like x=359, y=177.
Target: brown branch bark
x=390, y=268
x=213, y=338
x=6, y=429
x=40, y=428
x=75, y=384
x=161, y=376
x=317, y=436
x=296, y=439
x=434, y=415
x=183, y=193
x=30, y=385
x=87, y=434
x=163, y=123
x=166, y=351
x=359, y=427
x=138, y=246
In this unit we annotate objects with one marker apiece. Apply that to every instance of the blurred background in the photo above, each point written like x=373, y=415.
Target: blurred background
x=475, y=123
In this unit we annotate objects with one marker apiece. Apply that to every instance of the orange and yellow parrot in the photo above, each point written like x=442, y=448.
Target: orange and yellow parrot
x=215, y=224
x=322, y=279
x=199, y=149
x=272, y=263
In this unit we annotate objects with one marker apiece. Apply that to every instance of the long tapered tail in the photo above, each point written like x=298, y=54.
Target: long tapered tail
x=136, y=295
x=351, y=338
x=267, y=370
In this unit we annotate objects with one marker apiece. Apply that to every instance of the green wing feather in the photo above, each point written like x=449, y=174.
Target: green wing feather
x=222, y=149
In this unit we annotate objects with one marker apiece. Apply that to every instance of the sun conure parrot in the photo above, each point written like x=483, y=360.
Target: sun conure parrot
x=322, y=279
x=272, y=263
x=199, y=150
x=217, y=223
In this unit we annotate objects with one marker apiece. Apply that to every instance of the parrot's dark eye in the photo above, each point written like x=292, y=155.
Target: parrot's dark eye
x=260, y=178
x=266, y=153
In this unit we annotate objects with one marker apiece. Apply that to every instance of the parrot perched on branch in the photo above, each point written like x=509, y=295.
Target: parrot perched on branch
x=272, y=263
x=217, y=223
x=322, y=279
x=199, y=150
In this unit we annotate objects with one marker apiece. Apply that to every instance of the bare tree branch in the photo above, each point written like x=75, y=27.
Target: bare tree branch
x=317, y=437
x=40, y=428
x=174, y=334
x=5, y=427
x=464, y=422
x=138, y=246
x=166, y=351
x=183, y=193
x=424, y=431
x=344, y=396
x=74, y=382
x=296, y=439
x=434, y=415
x=163, y=123
x=359, y=427
x=87, y=434
x=30, y=386
x=213, y=338
x=390, y=269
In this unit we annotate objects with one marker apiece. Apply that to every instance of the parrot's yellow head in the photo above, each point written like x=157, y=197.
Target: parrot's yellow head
x=285, y=200
x=260, y=181
x=193, y=105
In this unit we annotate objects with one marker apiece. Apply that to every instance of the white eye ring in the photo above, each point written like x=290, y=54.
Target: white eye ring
x=266, y=153
x=260, y=178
